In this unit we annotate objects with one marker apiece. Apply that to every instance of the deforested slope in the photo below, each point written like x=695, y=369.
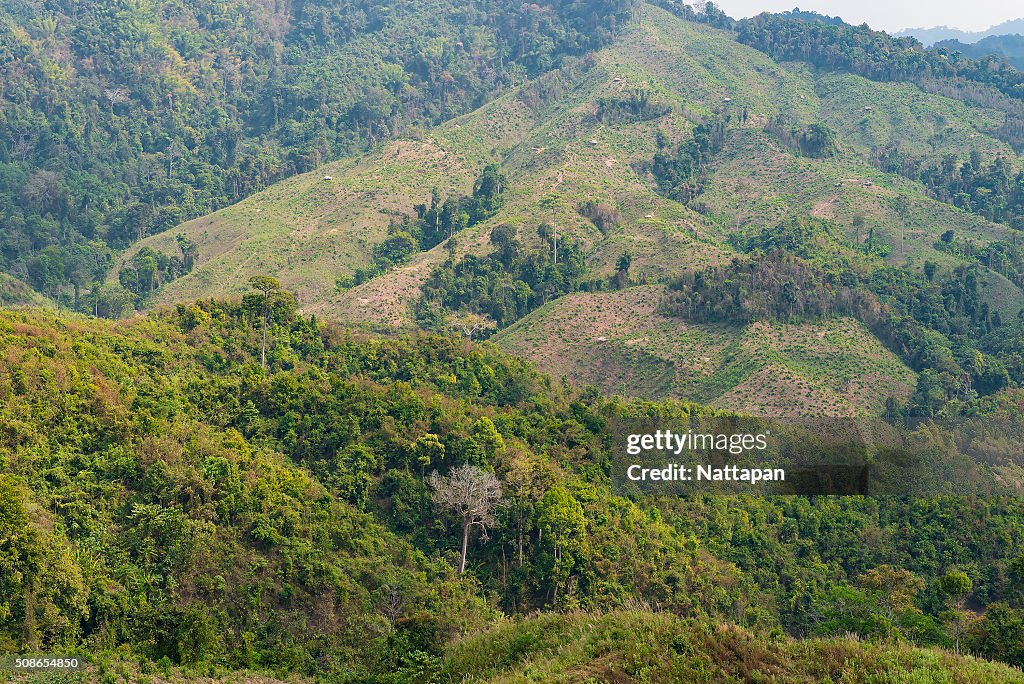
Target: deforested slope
x=606, y=138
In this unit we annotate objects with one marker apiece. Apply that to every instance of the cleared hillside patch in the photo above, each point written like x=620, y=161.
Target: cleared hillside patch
x=618, y=342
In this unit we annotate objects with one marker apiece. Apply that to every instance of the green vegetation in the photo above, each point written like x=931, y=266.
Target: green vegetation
x=433, y=225
x=876, y=55
x=788, y=217
x=637, y=646
x=938, y=323
x=121, y=120
x=683, y=173
x=165, y=497
x=506, y=285
x=1010, y=46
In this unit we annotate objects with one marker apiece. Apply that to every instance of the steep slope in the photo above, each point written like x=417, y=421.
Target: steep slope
x=122, y=119
x=309, y=229
x=833, y=367
x=566, y=133
x=14, y=292
x=549, y=136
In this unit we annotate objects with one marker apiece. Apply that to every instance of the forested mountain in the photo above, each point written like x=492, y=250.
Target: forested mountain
x=678, y=148
x=165, y=500
x=930, y=36
x=253, y=254
x=120, y=119
x=1010, y=46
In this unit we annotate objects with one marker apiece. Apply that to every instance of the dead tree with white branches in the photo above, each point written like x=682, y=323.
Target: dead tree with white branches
x=471, y=494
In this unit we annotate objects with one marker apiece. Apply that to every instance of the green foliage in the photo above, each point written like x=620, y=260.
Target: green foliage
x=121, y=120
x=634, y=645
x=816, y=141
x=777, y=287
x=998, y=634
x=181, y=503
x=992, y=189
x=505, y=285
x=148, y=270
x=433, y=225
x=681, y=174
x=955, y=584
x=874, y=54
x=940, y=325
x=638, y=105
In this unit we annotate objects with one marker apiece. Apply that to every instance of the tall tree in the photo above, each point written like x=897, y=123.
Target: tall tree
x=472, y=494
x=564, y=524
x=267, y=288
x=955, y=585
x=553, y=202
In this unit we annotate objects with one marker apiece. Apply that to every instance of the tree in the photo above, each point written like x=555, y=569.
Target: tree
x=894, y=588
x=955, y=585
x=563, y=523
x=268, y=288
x=428, y=450
x=858, y=224
x=471, y=494
x=622, y=270
x=503, y=238
x=999, y=634
x=553, y=202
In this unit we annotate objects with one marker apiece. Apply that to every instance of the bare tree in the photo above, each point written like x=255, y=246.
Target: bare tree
x=553, y=202
x=471, y=494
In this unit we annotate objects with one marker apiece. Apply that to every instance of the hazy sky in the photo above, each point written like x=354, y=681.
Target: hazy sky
x=893, y=15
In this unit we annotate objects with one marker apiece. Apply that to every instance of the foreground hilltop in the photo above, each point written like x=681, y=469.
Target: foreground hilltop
x=166, y=500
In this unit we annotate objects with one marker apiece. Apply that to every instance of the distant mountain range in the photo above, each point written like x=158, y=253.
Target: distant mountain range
x=1010, y=46
x=930, y=36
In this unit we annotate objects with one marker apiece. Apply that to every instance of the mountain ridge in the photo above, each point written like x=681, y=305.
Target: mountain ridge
x=930, y=36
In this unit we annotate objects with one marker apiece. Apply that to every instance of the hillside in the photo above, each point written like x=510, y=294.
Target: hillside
x=333, y=332
x=829, y=368
x=548, y=137
x=120, y=120
x=634, y=646
x=13, y=293
x=1011, y=47
x=166, y=501
x=573, y=133
x=930, y=36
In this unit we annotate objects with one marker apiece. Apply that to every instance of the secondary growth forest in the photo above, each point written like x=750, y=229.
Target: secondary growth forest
x=162, y=493
x=234, y=487
x=123, y=119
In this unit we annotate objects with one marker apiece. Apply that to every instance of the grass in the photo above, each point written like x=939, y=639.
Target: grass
x=637, y=646
x=14, y=292
x=618, y=342
x=624, y=646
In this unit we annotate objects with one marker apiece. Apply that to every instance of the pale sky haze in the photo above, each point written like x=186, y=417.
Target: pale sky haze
x=893, y=15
